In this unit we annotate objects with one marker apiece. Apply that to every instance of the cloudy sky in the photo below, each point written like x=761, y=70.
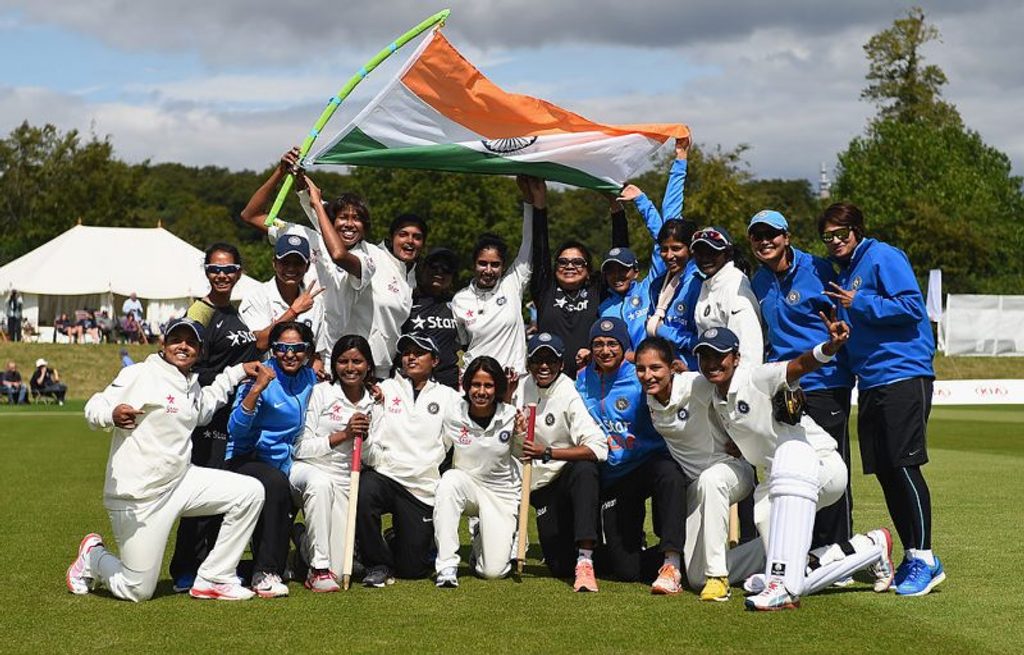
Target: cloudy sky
x=234, y=82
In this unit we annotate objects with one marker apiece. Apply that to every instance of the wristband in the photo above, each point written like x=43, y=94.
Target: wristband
x=546, y=457
x=819, y=354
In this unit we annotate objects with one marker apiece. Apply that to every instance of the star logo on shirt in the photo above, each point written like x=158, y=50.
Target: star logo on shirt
x=469, y=313
x=396, y=401
x=418, y=322
x=170, y=399
x=464, y=435
x=560, y=302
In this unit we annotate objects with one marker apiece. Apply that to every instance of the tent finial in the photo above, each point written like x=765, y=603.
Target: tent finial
x=159, y=223
x=79, y=222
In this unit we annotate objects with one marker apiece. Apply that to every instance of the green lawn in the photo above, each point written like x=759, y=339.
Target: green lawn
x=52, y=495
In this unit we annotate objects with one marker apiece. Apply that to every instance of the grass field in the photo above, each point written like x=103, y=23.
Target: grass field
x=52, y=495
x=88, y=368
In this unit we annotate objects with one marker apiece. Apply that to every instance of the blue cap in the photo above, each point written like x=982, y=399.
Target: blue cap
x=721, y=339
x=417, y=339
x=716, y=237
x=185, y=321
x=291, y=244
x=623, y=256
x=771, y=218
x=613, y=327
x=545, y=340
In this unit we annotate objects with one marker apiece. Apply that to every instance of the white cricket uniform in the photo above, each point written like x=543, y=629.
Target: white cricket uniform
x=150, y=480
x=563, y=421
x=405, y=441
x=321, y=475
x=719, y=480
x=383, y=307
x=727, y=300
x=265, y=305
x=491, y=320
x=747, y=416
x=485, y=481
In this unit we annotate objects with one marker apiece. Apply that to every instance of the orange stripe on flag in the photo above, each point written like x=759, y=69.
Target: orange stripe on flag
x=443, y=79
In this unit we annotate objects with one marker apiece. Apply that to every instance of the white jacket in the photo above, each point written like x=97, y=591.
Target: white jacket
x=488, y=455
x=328, y=412
x=695, y=442
x=405, y=435
x=727, y=300
x=563, y=421
x=148, y=461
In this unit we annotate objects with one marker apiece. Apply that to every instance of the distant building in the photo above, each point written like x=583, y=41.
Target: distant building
x=824, y=184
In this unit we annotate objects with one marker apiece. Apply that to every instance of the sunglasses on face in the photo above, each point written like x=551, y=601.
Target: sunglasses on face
x=575, y=262
x=765, y=235
x=842, y=233
x=282, y=348
x=222, y=269
x=441, y=267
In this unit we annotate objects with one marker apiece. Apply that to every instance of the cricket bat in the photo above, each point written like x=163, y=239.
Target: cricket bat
x=353, y=504
x=524, y=498
x=734, y=525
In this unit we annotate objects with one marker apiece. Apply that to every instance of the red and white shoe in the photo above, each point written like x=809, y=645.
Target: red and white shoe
x=669, y=582
x=883, y=570
x=585, y=580
x=774, y=597
x=79, y=577
x=203, y=589
x=321, y=581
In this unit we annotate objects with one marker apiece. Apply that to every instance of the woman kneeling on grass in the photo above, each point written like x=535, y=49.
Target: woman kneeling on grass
x=320, y=475
x=484, y=480
x=152, y=408
x=268, y=417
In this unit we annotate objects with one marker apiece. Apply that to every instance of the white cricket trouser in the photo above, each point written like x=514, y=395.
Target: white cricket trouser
x=324, y=499
x=141, y=531
x=832, y=477
x=457, y=494
x=705, y=552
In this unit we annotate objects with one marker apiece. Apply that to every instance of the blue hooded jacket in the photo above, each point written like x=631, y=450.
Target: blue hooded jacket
x=618, y=403
x=280, y=415
x=679, y=325
x=789, y=308
x=890, y=337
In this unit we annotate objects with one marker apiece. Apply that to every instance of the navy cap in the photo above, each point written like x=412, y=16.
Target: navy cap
x=715, y=237
x=185, y=321
x=417, y=339
x=720, y=339
x=291, y=244
x=545, y=340
x=613, y=327
x=623, y=256
x=771, y=218
x=445, y=256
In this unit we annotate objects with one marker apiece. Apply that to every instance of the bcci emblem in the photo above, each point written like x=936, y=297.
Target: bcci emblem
x=508, y=146
x=742, y=407
x=544, y=337
x=793, y=297
x=856, y=283
x=711, y=333
x=682, y=414
x=433, y=408
x=614, y=252
x=681, y=308
x=635, y=301
x=505, y=436
x=294, y=241
x=549, y=420
x=622, y=403
x=500, y=301
x=606, y=326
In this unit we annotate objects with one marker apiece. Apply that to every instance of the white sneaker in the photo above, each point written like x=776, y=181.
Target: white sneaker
x=321, y=581
x=883, y=570
x=268, y=585
x=203, y=589
x=448, y=578
x=774, y=597
x=754, y=584
x=79, y=577
x=842, y=583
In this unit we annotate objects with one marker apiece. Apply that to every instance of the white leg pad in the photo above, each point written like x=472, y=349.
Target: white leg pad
x=866, y=553
x=793, y=492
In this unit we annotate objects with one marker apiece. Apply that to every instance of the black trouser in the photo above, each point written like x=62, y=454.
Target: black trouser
x=57, y=389
x=197, y=534
x=621, y=554
x=270, y=538
x=411, y=553
x=14, y=328
x=830, y=408
x=567, y=514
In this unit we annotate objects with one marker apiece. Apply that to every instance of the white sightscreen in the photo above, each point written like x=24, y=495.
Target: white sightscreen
x=983, y=325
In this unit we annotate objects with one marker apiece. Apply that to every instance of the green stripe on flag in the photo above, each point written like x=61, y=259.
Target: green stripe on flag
x=358, y=149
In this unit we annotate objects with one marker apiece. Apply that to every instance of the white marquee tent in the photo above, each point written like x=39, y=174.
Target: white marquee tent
x=98, y=267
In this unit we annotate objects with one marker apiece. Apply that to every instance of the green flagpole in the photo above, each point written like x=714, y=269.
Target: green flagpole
x=334, y=102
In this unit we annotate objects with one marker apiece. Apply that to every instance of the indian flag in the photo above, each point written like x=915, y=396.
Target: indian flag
x=441, y=113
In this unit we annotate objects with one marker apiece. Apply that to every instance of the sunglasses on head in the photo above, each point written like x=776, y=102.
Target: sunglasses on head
x=219, y=269
x=841, y=233
x=574, y=262
x=282, y=348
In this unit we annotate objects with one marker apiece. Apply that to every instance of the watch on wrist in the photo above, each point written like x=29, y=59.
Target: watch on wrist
x=546, y=457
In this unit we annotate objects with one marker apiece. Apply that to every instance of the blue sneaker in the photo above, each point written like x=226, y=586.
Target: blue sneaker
x=921, y=578
x=184, y=582
x=901, y=573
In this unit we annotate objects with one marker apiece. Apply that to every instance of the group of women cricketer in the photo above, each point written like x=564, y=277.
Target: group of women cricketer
x=674, y=387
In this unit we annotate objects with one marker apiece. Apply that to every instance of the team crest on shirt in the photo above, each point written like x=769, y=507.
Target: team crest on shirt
x=433, y=408
x=793, y=297
x=549, y=420
x=622, y=403
x=501, y=301
x=681, y=308
x=504, y=436
x=856, y=283
x=682, y=414
x=635, y=301
x=742, y=407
